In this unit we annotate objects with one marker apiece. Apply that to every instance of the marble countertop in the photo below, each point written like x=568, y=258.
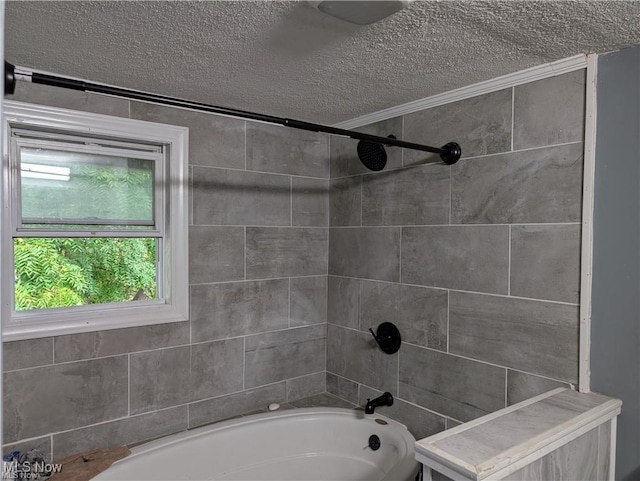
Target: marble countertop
x=488, y=444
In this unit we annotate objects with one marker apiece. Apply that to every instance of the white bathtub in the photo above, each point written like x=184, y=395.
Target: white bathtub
x=299, y=444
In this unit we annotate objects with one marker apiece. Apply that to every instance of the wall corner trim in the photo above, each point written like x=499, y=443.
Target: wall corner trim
x=586, y=256
x=532, y=74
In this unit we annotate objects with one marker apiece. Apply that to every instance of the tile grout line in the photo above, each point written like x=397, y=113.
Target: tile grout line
x=329, y=159
x=450, y=192
x=361, y=195
x=448, y=319
x=460, y=356
x=382, y=226
x=513, y=109
x=402, y=137
x=326, y=324
x=506, y=383
x=289, y=304
x=429, y=226
x=509, y=266
x=129, y=384
x=400, y=257
x=245, y=144
x=244, y=361
x=398, y=376
x=359, y=309
x=491, y=294
x=265, y=172
x=257, y=279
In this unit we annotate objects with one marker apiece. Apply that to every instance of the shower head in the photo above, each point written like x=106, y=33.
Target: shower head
x=372, y=155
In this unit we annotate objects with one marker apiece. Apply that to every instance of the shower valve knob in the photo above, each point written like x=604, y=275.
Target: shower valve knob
x=387, y=337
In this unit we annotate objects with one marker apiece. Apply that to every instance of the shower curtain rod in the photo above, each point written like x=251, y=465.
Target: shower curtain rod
x=449, y=153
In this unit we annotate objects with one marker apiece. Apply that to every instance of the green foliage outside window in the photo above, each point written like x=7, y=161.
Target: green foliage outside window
x=67, y=272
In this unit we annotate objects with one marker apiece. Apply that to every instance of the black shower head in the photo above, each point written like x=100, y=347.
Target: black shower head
x=372, y=155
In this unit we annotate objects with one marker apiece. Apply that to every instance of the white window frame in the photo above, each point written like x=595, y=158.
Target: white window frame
x=174, y=262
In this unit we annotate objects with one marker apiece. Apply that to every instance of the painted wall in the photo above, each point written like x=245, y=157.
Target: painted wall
x=615, y=321
x=258, y=263
x=477, y=264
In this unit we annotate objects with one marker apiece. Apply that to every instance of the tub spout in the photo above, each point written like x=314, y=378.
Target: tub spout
x=385, y=400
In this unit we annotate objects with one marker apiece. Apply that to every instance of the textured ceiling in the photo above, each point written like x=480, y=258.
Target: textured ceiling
x=288, y=59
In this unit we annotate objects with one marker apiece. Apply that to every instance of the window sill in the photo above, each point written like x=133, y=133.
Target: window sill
x=33, y=325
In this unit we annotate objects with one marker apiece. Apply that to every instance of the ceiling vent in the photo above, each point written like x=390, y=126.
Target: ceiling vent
x=360, y=12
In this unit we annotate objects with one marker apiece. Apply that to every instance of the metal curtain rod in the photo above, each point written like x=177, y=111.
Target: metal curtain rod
x=449, y=153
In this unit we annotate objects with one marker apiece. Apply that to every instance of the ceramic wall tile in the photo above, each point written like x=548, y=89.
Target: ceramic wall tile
x=356, y=356
x=286, y=252
x=419, y=313
x=550, y=111
x=533, y=186
x=416, y=196
x=214, y=141
x=271, y=148
x=216, y=254
x=367, y=252
x=27, y=353
x=456, y=257
x=343, y=301
x=88, y=345
x=453, y=386
x=481, y=125
x=122, y=432
x=545, y=262
x=232, y=197
x=308, y=301
x=238, y=308
x=276, y=356
x=309, y=202
x=532, y=336
x=85, y=392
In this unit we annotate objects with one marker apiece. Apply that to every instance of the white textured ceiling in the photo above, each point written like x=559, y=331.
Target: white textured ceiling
x=288, y=59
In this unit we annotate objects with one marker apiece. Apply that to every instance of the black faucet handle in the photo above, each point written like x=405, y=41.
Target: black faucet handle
x=387, y=337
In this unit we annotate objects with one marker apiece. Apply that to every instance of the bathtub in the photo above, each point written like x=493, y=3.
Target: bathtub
x=297, y=444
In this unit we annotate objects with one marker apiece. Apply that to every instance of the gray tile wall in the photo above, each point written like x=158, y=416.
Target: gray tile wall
x=258, y=242
x=477, y=264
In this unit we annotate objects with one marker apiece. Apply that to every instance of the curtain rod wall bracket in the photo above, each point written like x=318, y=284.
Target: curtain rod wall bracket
x=9, y=78
x=449, y=153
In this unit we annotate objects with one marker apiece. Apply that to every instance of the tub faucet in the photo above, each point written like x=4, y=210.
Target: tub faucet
x=385, y=400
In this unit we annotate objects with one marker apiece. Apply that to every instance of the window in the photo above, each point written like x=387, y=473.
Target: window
x=94, y=222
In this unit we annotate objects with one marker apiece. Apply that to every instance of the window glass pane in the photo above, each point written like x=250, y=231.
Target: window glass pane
x=64, y=187
x=62, y=272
